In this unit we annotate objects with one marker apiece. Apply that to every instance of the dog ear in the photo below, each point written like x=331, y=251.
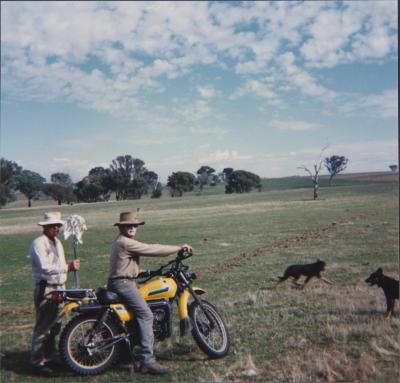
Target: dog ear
x=379, y=271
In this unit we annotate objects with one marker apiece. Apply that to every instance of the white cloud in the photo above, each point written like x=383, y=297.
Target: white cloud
x=364, y=156
x=207, y=91
x=197, y=111
x=257, y=88
x=140, y=61
x=383, y=105
x=351, y=32
x=367, y=155
x=293, y=125
x=300, y=79
x=115, y=52
x=77, y=168
x=211, y=132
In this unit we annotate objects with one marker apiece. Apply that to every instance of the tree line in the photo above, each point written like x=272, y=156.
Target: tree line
x=127, y=177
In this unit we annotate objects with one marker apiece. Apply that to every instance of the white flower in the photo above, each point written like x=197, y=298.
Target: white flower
x=75, y=225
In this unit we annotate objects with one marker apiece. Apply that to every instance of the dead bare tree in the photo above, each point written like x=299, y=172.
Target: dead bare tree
x=315, y=175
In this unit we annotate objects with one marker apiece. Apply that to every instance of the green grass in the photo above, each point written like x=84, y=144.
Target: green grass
x=242, y=242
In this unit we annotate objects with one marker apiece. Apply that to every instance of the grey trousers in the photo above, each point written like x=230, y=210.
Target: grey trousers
x=132, y=298
x=43, y=346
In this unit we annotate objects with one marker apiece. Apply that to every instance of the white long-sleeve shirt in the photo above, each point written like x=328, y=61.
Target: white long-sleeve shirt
x=48, y=261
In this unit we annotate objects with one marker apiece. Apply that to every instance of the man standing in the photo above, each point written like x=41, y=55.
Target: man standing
x=124, y=268
x=49, y=273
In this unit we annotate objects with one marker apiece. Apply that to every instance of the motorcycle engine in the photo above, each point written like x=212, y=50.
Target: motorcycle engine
x=162, y=322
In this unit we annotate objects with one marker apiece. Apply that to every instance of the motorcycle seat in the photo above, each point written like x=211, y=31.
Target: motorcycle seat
x=107, y=297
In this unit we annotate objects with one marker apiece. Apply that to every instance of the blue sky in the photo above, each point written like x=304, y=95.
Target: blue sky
x=260, y=86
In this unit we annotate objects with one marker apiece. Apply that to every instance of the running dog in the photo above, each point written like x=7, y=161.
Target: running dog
x=390, y=287
x=308, y=270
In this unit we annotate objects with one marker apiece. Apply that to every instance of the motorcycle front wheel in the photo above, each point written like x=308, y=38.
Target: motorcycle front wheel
x=88, y=352
x=209, y=329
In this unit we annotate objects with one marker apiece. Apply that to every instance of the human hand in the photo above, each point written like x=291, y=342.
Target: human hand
x=187, y=248
x=74, y=265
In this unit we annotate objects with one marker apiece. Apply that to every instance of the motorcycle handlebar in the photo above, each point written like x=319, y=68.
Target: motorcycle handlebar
x=148, y=274
x=184, y=253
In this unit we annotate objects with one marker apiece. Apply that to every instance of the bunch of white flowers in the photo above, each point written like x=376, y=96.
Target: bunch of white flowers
x=75, y=225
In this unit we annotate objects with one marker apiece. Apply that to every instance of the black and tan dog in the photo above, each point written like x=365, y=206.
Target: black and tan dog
x=309, y=270
x=390, y=287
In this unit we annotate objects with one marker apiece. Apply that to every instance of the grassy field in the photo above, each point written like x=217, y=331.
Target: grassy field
x=242, y=243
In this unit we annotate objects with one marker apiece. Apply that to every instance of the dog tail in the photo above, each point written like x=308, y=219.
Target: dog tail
x=282, y=278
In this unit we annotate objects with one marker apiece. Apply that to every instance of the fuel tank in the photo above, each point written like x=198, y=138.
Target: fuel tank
x=158, y=288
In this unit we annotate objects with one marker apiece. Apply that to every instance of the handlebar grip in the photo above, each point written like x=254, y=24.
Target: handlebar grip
x=184, y=254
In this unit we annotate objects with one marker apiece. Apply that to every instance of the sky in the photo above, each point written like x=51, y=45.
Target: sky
x=259, y=86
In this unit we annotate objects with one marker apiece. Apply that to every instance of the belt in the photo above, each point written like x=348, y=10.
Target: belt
x=44, y=283
x=129, y=278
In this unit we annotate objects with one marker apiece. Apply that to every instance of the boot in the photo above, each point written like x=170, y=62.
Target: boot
x=153, y=368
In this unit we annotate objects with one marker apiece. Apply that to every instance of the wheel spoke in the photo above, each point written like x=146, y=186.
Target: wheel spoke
x=90, y=354
x=212, y=332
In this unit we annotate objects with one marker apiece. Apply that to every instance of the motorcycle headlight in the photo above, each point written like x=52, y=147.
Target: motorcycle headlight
x=194, y=276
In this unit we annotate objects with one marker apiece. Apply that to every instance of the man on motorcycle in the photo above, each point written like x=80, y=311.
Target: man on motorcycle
x=124, y=268
x=49, y=273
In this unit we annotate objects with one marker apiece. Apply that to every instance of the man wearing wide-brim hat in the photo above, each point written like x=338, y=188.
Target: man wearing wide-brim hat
x=49, y=273
x=124, y=268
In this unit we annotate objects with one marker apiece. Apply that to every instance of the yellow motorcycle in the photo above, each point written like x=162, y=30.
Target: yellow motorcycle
x=93, y=340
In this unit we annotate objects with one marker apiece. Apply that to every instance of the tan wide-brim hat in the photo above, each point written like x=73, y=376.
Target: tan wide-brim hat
x=51, y=218
x=128, y=218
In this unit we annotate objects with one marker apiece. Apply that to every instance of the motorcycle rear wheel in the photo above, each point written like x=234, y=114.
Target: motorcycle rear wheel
x=211, y=336
x=85, y=360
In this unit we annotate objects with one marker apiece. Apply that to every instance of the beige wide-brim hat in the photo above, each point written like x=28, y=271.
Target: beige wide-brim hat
x=51, y=218
x=128, y=218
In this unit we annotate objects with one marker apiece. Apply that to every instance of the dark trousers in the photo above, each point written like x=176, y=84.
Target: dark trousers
x=43, y=346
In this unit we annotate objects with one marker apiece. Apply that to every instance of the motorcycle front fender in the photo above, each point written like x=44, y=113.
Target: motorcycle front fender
x=183, y=301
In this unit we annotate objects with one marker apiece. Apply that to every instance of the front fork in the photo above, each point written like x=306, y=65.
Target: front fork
x=185, y=321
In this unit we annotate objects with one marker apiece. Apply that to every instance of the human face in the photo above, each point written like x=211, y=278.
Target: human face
x=128, y=230
x=51, y=231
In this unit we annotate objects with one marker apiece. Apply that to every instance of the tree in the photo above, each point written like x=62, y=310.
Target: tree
x=204, y=175
x=29, y=184
x=224, y=175
x=125, y=169
x=315, y=175
x=335, y=164
x=151, y=178
x=97, y=171
x=137, y=188
x=214, y=179
x=121, y=174
x=8, y=171
x=62, y=179
x=242, y=181
x=91, y=189
x=157, y=191
x=180, y=182
x=60, y=188
x=227, y=172
x=102, y=177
